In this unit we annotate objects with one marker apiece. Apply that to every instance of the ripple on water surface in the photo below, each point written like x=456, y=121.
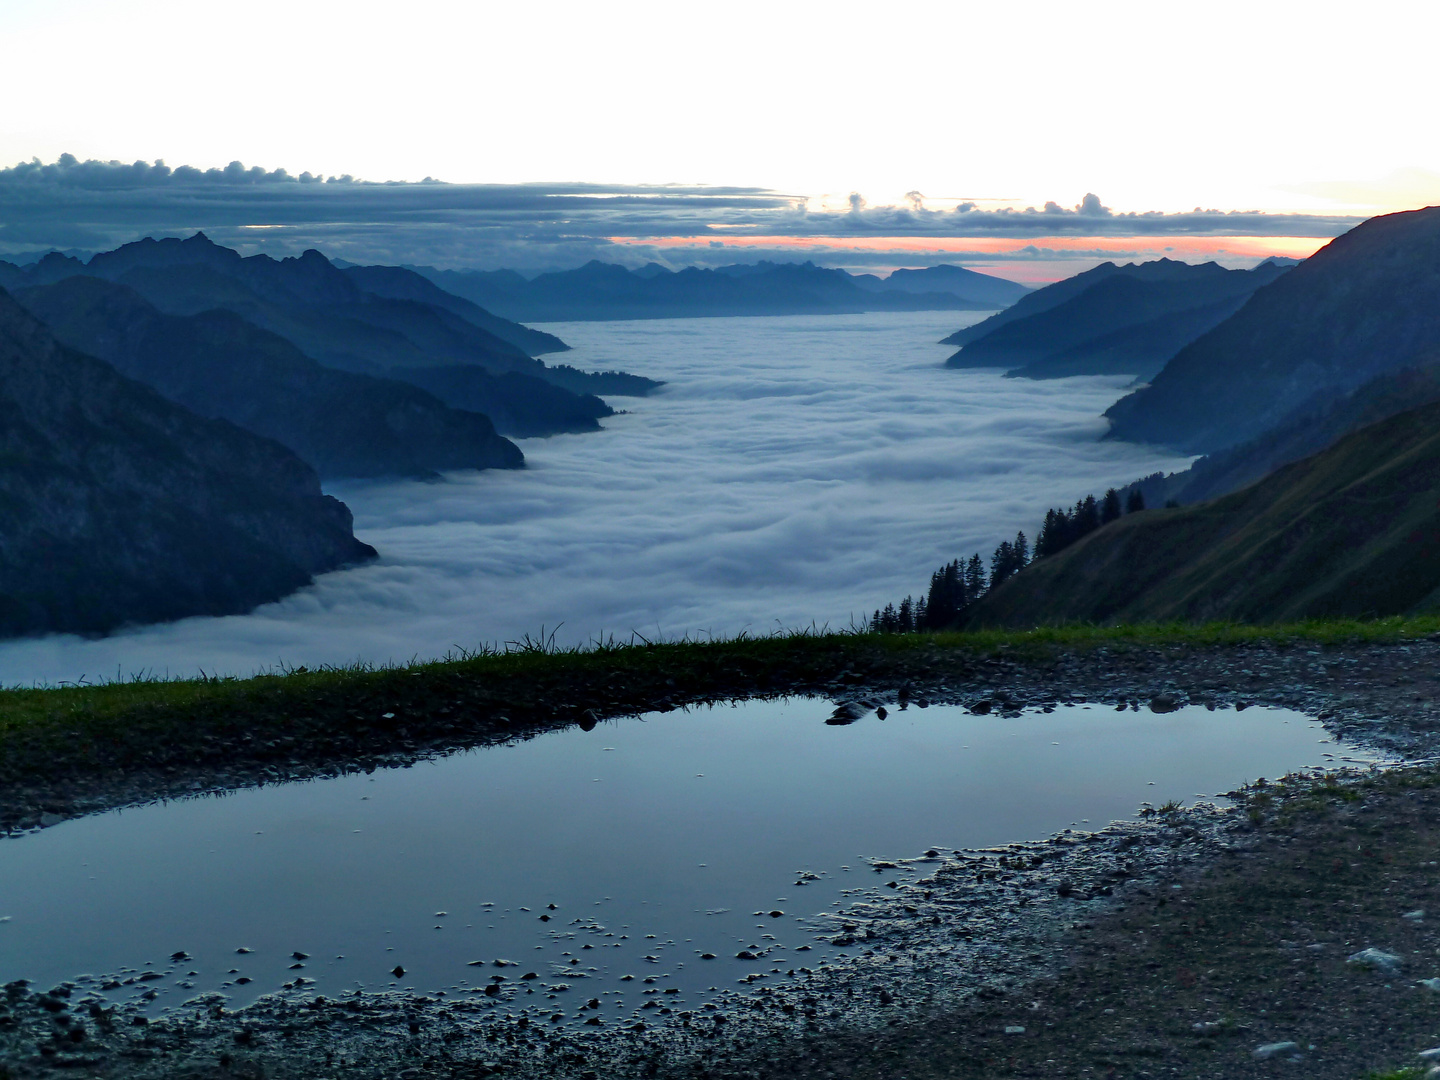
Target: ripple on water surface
x=651, y=859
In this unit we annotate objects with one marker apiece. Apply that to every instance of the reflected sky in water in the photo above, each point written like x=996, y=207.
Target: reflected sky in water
x=681, y=826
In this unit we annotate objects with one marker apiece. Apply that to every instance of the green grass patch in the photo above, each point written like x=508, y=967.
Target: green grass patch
x=812, y=653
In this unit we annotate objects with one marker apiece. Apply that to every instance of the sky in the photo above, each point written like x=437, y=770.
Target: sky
x=832, y=111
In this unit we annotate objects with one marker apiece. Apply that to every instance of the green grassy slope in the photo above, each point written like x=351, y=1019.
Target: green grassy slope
x=1352, y=531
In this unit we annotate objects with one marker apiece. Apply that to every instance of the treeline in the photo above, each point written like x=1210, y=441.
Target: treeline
x=956, y=585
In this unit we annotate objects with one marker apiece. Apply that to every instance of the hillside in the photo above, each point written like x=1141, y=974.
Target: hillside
x=1365, y=304
x=398, y=283
x=1351, y=531
x=218, y=365
x=1111, y=320
x=600, y=290
x=1305, y=433
x=121, y=507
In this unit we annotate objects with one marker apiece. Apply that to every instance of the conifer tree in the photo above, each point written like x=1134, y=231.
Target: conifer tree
x=1002, y=563
x=1087, y=517
x=1110, y=508
x=946, y=597
x=975, y=583
x=1135, y=502
x=905, y=617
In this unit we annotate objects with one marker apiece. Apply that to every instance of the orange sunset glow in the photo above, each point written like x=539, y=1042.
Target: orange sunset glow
x=1063, y=251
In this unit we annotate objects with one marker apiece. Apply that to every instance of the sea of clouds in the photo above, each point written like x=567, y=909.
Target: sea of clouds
x=792, y=471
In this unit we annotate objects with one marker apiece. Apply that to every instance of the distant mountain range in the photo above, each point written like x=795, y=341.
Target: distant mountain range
x=217, y=364
x=600, y=290
x=1366, y=304
x=122, y=507
x=1112, y=320
x=1351, y=531
x=293, y=327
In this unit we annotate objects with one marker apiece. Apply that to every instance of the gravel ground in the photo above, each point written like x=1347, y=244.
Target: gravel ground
x=1174, y=946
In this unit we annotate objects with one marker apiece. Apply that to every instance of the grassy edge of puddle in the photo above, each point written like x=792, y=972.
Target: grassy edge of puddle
x=76, y=748
x=143, y=697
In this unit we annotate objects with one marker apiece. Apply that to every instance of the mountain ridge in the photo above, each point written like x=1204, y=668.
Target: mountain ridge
x=218, y=365
x=1128, y=319
x=609, y=291
x=122, y=507
x=1366, y=303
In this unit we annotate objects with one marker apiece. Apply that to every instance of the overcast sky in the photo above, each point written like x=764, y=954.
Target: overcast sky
x=1308, y=107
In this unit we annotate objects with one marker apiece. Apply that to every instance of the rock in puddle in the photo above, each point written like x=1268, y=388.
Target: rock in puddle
x=1277, y=1049
x=847, y=712
x=1376, y=960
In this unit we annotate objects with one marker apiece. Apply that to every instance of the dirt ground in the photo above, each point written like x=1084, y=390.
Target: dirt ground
x=1191, y=977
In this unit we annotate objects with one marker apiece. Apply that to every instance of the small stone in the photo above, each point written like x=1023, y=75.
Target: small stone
x=847, y=712
x=1164, y=703
x=1275, y=1049
x=882, y=712
x=1433, y=1054
x=776, y=914
x=1433, y=985
x=1414, y=916
x=243, y=951
x=397, y=971
x=301, y=955
x=1014, y=1029
x=1376, y=960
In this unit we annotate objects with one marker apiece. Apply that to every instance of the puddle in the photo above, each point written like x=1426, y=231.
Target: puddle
x=657, y=839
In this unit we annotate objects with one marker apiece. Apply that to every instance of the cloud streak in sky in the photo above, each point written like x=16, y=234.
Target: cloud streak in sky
x=94, y=205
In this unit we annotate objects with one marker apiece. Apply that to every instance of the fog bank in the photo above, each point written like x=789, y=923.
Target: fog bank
x=793, y=471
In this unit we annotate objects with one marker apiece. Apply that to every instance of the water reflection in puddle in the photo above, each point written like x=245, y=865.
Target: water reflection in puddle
x=657, y=840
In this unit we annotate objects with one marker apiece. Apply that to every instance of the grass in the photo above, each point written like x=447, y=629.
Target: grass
x=811, y=651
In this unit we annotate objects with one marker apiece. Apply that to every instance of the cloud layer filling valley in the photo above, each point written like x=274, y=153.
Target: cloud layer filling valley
x=793, y=470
